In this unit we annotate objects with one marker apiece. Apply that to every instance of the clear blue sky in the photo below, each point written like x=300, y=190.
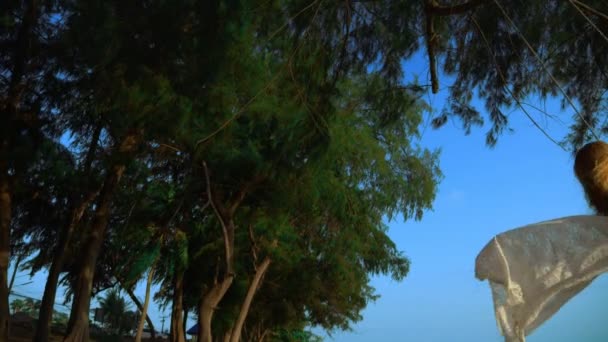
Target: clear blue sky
x=525, y=179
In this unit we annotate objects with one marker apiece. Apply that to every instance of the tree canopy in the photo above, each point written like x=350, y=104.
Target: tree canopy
x=245, y=156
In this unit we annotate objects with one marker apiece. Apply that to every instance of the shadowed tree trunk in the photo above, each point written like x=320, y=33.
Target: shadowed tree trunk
x=15, y=269
x=207, y=307
x=5, y=222
x=78, y=326
x=9, y=113
x=225, y=215
x=253, y=287
x=177, y=325
x=212, y=297
x=185, y=320
x=263, y=335
x=50, y=290
x=144, y=312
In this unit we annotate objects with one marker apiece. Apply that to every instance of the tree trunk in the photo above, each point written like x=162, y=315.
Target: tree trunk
x=140, y=307
x=15, y=269
x=144, y=313
x=225, y=216
x=78, y=326
x=253, y=287
x=50, y=290
x=5, y=228
x=185, y=320
x=45, y=317
x=48, y=300
x=263, y=335
x=177, y=325
x=21, y=55
x=208, y=305
x=15, y=90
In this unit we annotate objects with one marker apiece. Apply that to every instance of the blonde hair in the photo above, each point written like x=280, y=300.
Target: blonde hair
x=591, y=169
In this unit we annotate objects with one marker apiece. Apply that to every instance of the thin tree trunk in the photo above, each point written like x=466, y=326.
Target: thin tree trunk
x=225, y=216
x=140, y=327
x=78, y=326
x=50, y=290
x=48, y=298
x=45, y=317
x=15, y=269
x=208, y=305
x=140, y=307
x=212, y=298
x=5, y=228
x=263, y=336
x=185, y=321
x=177, y=325
x=253, y=287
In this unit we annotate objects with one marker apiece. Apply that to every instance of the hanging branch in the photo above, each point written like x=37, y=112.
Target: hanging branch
x=542, y=64
x=504, y=79
x=254, y=248
x=430, y=46
x=432, y=10
x=442, y=11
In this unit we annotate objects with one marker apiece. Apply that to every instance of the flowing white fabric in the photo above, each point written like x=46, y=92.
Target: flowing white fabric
x=534, y=270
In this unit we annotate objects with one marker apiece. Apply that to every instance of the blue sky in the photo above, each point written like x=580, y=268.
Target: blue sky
x=525, y=179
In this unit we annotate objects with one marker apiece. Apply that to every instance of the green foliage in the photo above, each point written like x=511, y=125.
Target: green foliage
x=28, y=306
x=298, y=106
x=116, y=315
x=295, y=336
x=330, y=139
x=142, y=263
x=510, y=50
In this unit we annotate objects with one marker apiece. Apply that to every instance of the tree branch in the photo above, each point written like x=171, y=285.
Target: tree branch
x=21, y=53
x=254, y=248
x=430, y=46
x=240, y=196
x=442, y=11
x=220, y=217
x=432, y=10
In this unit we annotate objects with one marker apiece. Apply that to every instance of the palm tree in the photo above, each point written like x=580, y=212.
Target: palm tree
x=18, y=305
x=115, y=311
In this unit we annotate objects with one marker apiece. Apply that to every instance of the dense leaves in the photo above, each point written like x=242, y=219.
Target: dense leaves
x=250, y=153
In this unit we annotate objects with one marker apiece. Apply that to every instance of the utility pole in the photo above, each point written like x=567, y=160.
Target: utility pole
x=162, y=328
